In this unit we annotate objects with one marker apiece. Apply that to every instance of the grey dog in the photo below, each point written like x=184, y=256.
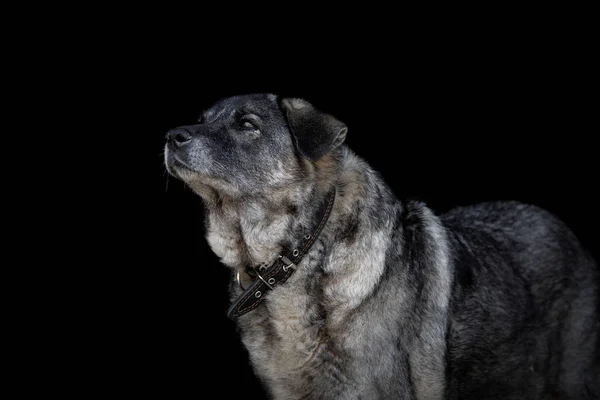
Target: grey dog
x=342, y=291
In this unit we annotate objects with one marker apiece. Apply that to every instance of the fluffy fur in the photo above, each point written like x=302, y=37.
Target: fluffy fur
x=492, y=301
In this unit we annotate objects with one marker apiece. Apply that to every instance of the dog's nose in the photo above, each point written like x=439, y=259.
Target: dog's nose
x=178, y=137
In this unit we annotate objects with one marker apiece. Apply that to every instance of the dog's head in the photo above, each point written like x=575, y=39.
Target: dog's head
x=251, y=144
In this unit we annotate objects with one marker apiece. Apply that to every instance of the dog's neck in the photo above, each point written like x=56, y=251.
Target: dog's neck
x=249, y=231
x=254, y=231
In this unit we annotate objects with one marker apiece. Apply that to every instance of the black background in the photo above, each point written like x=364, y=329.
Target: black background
x=449, y=122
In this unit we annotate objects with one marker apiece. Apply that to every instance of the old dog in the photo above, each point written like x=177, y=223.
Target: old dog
x=342, y=291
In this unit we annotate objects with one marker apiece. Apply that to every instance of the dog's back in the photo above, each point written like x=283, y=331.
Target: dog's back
x=524, y=313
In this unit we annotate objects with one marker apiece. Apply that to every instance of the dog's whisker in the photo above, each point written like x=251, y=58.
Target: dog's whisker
x=220, y=165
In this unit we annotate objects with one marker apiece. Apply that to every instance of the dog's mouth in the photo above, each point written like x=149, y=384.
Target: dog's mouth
x=182, y=170
x=175, y=165
x=178, y=164
x=179, y=168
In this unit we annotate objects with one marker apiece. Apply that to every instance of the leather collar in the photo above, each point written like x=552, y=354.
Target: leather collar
x=283, y=267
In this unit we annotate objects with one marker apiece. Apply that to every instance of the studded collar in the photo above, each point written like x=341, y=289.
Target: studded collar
x=266, y=279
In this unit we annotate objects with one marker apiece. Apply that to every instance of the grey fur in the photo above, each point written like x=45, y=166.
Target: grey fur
x=492, y=301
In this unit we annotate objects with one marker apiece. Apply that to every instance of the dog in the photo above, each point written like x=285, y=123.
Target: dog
x=342, y=291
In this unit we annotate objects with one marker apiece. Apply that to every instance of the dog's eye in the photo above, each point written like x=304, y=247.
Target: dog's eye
x=247, y=123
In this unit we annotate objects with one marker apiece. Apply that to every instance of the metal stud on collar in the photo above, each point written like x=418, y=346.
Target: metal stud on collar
x=288, y=262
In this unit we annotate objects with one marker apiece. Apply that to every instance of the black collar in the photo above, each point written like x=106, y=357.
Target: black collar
x=283, y=267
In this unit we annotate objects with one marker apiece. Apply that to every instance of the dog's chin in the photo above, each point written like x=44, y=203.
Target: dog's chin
x=176, y=166
x=182, y=171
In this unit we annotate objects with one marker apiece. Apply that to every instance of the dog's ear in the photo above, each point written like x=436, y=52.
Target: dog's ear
x=316, y=133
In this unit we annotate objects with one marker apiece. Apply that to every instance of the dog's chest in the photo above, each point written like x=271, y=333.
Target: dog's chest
x=285, y=337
